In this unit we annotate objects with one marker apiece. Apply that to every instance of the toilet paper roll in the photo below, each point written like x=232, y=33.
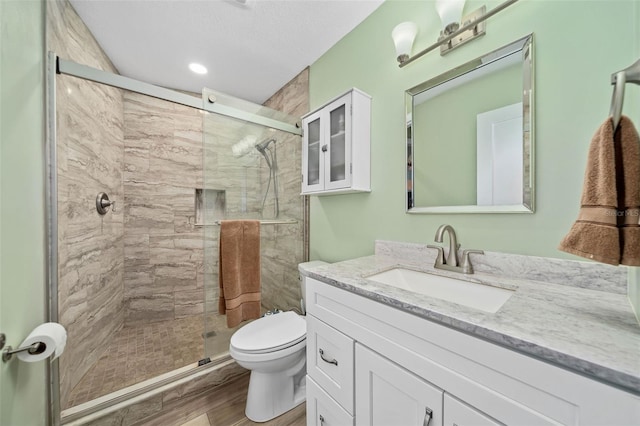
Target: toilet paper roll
x=52, y=334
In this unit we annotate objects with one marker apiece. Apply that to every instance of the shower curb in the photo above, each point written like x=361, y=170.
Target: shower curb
x=141, y=405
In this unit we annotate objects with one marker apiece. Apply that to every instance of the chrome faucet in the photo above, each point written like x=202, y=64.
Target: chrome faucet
x=451, y=263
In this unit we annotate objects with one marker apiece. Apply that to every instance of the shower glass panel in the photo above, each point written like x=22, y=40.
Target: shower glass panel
x=130, y=285
x=251, y=172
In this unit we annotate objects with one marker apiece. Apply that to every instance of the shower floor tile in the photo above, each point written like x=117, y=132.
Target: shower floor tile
x=141, y=352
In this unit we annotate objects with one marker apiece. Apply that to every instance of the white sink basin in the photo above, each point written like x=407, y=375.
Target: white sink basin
x=479, y=296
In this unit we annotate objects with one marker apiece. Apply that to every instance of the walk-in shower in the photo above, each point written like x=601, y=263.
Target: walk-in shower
x=137, y=286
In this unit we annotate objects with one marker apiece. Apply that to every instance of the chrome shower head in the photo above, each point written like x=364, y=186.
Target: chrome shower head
x=263, y=145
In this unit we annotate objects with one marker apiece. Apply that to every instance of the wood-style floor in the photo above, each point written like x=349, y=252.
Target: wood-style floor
x=228, y=409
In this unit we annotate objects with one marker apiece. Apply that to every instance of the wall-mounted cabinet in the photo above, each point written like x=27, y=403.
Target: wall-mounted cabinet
x=336, y=146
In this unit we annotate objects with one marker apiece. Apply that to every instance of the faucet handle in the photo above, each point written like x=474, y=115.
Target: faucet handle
x=440, y=256
x=467, y=267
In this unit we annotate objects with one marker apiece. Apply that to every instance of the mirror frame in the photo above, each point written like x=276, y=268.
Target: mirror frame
x=525, y=47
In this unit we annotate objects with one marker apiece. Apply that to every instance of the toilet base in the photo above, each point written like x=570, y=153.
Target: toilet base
x=271, y=395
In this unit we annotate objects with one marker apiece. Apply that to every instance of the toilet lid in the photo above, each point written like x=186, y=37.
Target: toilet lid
x=270, y=333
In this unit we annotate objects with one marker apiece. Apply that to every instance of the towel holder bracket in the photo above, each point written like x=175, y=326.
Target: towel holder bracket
x=632, y=73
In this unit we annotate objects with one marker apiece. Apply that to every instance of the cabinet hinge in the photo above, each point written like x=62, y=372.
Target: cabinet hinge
x=351, y=109
x=351, y=168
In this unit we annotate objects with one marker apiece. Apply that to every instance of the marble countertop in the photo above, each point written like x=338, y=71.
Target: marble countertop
x=591, y=332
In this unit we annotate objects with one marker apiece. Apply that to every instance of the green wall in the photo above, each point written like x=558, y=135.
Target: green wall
x=22, y=217
x=578, y=44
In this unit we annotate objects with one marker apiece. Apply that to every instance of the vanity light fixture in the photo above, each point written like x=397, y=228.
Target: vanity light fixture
x=450, y=12
x=198, y=68
x=455, y=31
x=403, y=36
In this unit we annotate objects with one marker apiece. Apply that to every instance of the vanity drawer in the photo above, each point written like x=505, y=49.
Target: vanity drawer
x=457, y=413
x=330, y=361
x=322, y=410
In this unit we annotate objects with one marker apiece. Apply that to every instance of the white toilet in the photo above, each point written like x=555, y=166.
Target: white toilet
x=274, y=349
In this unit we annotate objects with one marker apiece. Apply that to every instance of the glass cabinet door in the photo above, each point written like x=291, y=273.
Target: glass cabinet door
x=337, y=158
x=312, y=154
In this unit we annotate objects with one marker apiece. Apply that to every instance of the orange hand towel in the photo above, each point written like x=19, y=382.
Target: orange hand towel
x=239, y=270
x=607, y=228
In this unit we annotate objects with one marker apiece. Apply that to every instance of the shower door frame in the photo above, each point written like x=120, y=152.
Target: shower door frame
x=56, y=66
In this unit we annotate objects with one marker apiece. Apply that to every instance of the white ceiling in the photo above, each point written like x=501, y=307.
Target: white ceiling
x=251, y=51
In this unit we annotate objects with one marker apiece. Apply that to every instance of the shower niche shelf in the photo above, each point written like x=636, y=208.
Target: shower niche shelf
x=336, y=146
x=210, y=206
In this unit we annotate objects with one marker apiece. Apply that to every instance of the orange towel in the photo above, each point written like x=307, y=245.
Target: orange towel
x=239, y=270
x=607, y=228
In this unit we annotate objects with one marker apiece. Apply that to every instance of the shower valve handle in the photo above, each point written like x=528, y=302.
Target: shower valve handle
x=103, y=203
x=111, y=204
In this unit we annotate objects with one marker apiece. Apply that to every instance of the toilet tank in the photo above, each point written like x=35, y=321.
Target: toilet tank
x=301, y=278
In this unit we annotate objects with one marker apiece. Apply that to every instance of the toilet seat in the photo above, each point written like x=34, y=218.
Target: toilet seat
x=270, y=334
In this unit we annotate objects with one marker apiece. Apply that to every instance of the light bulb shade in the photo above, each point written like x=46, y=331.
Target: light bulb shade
x=403, y=36
x=450, y=12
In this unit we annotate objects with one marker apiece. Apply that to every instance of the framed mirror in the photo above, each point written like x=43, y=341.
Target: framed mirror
x=470, y=145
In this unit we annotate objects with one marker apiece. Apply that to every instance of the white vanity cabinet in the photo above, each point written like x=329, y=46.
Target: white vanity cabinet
x=404, y=369
x=336, y=146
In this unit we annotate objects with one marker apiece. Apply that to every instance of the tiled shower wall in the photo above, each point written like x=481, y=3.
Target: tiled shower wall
x=90, y=151
x=282, y=246
x=163, y=249
x=164, y=257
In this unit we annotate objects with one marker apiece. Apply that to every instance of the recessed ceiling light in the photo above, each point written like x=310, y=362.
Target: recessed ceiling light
x=243, y=3
x=198, y=68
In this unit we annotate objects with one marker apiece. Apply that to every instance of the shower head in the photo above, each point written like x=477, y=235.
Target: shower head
x=262, y=149
x=263, y=145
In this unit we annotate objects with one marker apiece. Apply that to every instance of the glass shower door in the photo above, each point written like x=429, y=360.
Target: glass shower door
x=251, y=171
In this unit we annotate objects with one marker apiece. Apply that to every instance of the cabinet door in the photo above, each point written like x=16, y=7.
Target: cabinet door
x=312, y=153
x=337, y=157
x=457, y=413
x=322, y=410
x=388, y=395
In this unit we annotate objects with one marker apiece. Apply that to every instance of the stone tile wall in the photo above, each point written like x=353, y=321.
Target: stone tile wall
x=283, y=245
x=163, y=249
x=165, y=267
x=90, y=152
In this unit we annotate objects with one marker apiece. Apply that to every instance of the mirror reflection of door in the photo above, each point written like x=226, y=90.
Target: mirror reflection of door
x=499, y=156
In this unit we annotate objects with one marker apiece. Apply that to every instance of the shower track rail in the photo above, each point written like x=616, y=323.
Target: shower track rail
x=114, y=80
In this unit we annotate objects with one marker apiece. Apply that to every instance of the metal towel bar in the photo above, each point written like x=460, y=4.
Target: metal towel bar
x=268, y=221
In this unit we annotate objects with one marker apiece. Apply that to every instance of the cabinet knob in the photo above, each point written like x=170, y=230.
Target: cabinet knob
x=321, y=420
x=324, y=148
x=329, y=361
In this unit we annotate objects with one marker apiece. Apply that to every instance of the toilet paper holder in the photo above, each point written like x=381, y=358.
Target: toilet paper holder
x=7, y=353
